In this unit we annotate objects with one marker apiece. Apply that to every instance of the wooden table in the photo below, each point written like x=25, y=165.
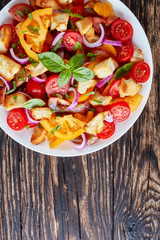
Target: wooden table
x=110, y=194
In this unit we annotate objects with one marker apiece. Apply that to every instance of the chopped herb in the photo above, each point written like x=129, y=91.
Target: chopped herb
x=97, y=101
x=72, y=14
x=53, y=111
x=59, y=115
x=29, y=77
x=92, y=55
x=77, y=15
x=24, y=71
x=77, y=46
x=20, y=13
x=25, y=10
x=39, y=125
x=20, y=78
x=20, y=55
x=34, y=29
x=90, y=93
x=13, y=89
x=30, y=16
x=55, y=129
x=67, y=96
x=33, y=62
x=15, y=44
x=27, y=127
x=24, y=31
x=72, y=25
x=15, y=98
x=92, y=109
x=59, y=96
x=56, y=46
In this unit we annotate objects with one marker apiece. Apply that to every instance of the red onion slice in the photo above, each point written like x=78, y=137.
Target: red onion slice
x=83, y=144
x=101, y=83
x=8, y=84
x=75, y=100
x=41, y=78
x=30, y=119
x=109, y=118
x=71, y=80
x=27, y=95
x=113, y=43
x=22, y=61
x=57, y=38
x=98, y=42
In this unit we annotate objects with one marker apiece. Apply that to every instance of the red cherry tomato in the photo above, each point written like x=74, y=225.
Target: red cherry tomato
x=13, y=31
x=79, y=9
x=17, y=119
x=120, y=111
x=141, y=72
x=20, y=11
x=51, y=86
x=45, y=47
x=107, y=131
x=35, y=89
x=125, y=52
x=70, y=39
x=78, y=2
x=121, y=30
x=114, y=88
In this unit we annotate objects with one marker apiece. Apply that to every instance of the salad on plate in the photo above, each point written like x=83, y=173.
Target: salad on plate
x=69, y=70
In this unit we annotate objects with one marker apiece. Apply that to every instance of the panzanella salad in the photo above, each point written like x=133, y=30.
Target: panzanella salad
x=69, y=70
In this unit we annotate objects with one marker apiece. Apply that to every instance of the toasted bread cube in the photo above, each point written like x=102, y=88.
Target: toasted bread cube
x=91, y=36
x=84, y=25
x=101, y=100
x=39, y=135
x=14, y=100
x=65, y=2
x=8, y=67
x=59, y=21
x=37, y=70
x=84, y=86
x=129, y=87
x=90, y=3
x=41, y=113
x=96, y=125
x=47, y=4
x=105, y=68
x=18, y=26
x=137, y=56
x=5, y=38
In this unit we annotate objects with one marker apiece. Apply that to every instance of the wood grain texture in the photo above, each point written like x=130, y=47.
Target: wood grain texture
x=113, y=194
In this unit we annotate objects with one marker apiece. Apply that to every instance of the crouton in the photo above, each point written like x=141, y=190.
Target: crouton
x=91, y=36
x=129, y=87
x=65, y=2
x=47, y=4
x=5, y=38
x=8, y=67
x=37, y=70
x=105, y=68
x=39, y=135
x=98, y=99
x=96, y=125
x=18, y=26
x=82, y=87
x=41, y=113
x=137, y=56
x=59, y=21
x=84, y=25
x=90, y=3
x=14, y=100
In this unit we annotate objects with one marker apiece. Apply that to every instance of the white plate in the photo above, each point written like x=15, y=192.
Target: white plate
x=139, y=39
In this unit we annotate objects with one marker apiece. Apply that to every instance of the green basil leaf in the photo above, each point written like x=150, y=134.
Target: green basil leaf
x=54, y=49
x=76, y=61
x=35, y=102
x=52, y=61
x=83, y=74
x=67, y=11
x=123, y=70
x=64, y=78
x=77, y=46
x=20, y=13
x=72, y=25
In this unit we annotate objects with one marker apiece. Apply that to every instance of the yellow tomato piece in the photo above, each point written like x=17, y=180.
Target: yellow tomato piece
x=80, y=116
x=133, y=101
x=109, y=48
x=89, y=116
x=33, y=32
x=92, y=64
x=82, y=97
x=47, y=126
x=56, y=142
x=103, y=9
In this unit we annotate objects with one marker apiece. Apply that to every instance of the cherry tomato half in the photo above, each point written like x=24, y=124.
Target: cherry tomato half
x=120, y=111
x=70, y=39
x=125, y=52
x=35, y=89
x=141, y=72
x=17, y=119
x=20, y=11
x=114, y=89
x=78, y=2
x=107, y=131
x=121, y=30
x=51, y=86
x=79, y=10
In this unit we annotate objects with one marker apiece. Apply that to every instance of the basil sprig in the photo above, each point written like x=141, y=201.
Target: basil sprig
x=35, y=102
x=56, y=64
x=72, y=14
x=123, y=70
